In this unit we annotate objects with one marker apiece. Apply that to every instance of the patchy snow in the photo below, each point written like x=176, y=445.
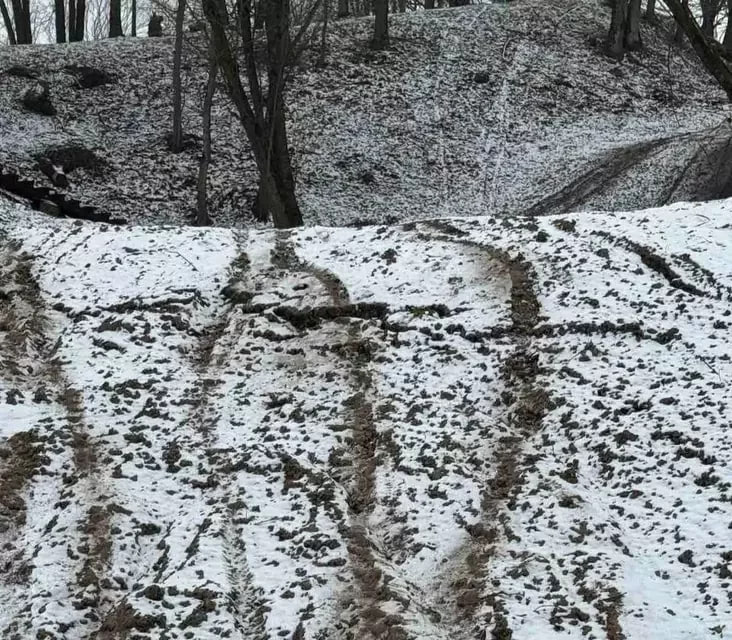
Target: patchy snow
x=431, y=430
x=489, y=109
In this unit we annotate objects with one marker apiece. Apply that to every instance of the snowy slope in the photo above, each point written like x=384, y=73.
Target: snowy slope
x=439, y=430
x=483, y=110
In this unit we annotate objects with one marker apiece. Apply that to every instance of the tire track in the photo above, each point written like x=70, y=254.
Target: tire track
x=602, y=172
x=526, y=406
x=26, y=324
x=371, y=579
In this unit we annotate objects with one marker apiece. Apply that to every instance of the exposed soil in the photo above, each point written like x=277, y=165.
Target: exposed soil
x=21, y=458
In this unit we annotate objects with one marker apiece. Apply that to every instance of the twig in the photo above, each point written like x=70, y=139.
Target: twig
x=704, y=360
x=505, y=46
x=178, y=253
x=565, y=14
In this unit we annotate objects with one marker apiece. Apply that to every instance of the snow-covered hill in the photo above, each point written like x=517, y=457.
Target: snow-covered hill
x=484, y=110
x=439, y=430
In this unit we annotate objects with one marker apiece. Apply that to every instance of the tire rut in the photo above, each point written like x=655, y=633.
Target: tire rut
x=284, y=257
x=604, y=171
x=655, y=262
x=371, y=579
x=527, y=404
x=26, y=322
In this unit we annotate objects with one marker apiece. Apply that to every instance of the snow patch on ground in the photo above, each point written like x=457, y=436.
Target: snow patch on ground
x=430, y=430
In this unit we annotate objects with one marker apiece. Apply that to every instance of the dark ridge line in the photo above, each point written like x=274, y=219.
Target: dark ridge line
x=705, y=273
x=49, y=201
x=310, y=318
x=548, y=331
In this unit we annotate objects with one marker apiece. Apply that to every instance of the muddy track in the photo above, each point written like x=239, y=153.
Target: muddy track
x=243, y=601
x=526, y=405
x=602, y=173
x=246, y=603
x=284, y=257
x=372, y=590
x=26, y=324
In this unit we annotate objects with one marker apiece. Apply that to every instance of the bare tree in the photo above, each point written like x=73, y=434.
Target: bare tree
x=60, y=14
x=176, y=140
x=616, y=35
x=8, y=22
x=262, y=112
x=76, y=20
x=650, y=14
x=632, y=31
x=624, y=34
x=72, y=19
x=78, y=34
x=21, y=21
x=324, y=35
x=133, y=18
x=380, y=38
x=727, y=42
x=202, y=215
x=710, y=10
x=709, y=53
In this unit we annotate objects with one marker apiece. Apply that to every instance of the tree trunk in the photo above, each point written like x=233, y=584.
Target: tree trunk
x=709, y=8
x=679, y=32
x=380, y=40
x=80, y=20
x=279, y=45
x=710, y=58
x=259, y=15
x=402, y=5
x=60, y=15
x=259, y=208
x=324, y=35
x=115, y=19
x=282, y=176
x=26, y=19
x=176, y=140
x=282, y=169
x=632, y=27
x=133, y=19
x=651, y=11
x=21, y=19
x=343, y=10
x=616, y=36
x=728, y=32
x=202, y=215
x=429, y=4
x=263, y=133
x=72, y=20
x=9, y=28
x=274, y=203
